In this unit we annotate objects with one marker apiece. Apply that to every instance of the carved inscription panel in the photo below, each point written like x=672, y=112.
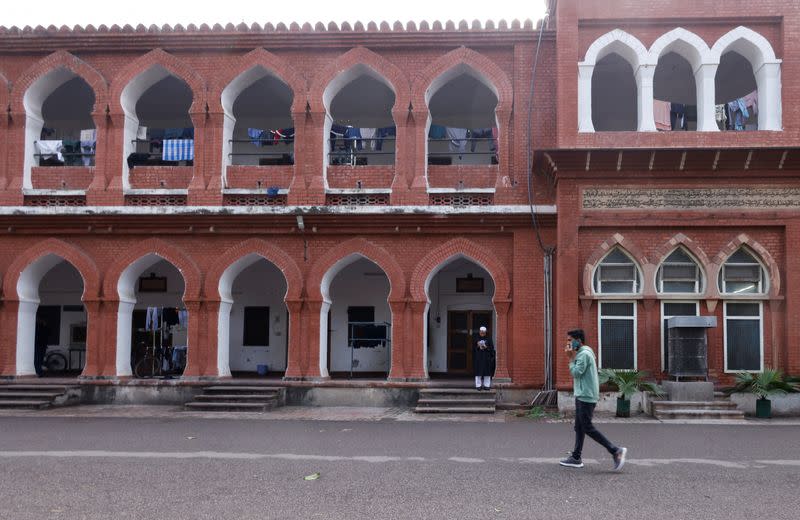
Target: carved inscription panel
x=752, y=197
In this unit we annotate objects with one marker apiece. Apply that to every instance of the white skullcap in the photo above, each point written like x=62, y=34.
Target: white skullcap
x=482, y=329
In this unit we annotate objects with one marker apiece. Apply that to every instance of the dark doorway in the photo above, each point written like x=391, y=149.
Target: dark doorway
x=462, y=328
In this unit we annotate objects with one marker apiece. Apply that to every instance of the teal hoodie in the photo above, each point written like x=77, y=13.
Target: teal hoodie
x=584, y=373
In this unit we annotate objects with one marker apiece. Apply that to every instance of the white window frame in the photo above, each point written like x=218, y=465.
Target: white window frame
x=760, y=331
x=699, y=280
x=637, y=281
x=763, y=282
x=664, y=317
x=635, y=321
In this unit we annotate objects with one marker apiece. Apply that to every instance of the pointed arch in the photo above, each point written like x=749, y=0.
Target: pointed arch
x=268, y=62
x=57, y=248
x=457, y=61
x=681, y=240
x=360, y=247
x=750, y=44
x=459, y=247
x=265, y=250
x=49, y=66
x=346, y=66
x=619, y=42
x=173, y=254
x=627, y=246
x=170, y=64
x=762, y=255
x=686, y=44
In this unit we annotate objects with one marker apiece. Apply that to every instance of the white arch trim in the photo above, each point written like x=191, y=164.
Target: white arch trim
x=28, y=294
x=225, y=289
x=639, y=269
x=229, y=96
x=428, y=280
x=336, y=85
x=33, y=100
x=703, y=274
x=128, y=98
x=704, y=61
x=325, y=288
x=126, y=289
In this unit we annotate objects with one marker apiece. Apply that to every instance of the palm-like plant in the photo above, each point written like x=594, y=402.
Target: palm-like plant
x=766, y=384
x=628, y=382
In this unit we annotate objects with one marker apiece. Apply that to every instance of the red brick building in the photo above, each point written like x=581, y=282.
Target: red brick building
x=340, y=202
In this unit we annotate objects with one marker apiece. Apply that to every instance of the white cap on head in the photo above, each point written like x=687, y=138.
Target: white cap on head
x=482, y=329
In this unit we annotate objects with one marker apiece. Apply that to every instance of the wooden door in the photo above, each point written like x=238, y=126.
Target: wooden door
x=462, y=329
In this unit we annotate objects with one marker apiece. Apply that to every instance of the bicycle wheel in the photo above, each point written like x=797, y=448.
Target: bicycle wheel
x=144, y=368
x=55, y=362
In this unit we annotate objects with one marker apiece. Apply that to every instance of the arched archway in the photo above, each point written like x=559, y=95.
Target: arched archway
x=749, y=70
x=52, y=323
x=157, y=94
x=60, y=96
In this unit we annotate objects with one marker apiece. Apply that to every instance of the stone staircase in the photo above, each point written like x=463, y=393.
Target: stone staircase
x=230, y=398
x=721, y=408
x=37, y=396
x=455, y=400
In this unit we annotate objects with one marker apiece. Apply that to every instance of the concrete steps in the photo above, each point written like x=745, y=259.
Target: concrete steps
x=720, y=408
x=455, y=400
x=231, y=398
x=37, y=396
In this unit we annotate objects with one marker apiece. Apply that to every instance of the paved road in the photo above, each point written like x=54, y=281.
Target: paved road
x=102, y=468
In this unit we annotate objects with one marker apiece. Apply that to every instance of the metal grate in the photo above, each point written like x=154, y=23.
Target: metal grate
x=55, y=201
x=254, y=200
x=461, y=199
x=155, y=200
x=372, y=199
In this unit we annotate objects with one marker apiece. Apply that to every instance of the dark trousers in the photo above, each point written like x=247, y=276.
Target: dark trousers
x=584, y=427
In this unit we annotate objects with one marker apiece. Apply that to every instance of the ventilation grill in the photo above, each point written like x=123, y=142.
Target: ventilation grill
x=372, y=199
x=254, y=200
x=55, y=201
x=155, y=200
x=461, y=199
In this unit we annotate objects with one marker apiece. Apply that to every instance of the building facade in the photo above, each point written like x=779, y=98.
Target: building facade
x=344, y=203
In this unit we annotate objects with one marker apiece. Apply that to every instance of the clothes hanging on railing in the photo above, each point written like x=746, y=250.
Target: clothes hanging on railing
x=490, y=134
x=437, y=132
x=141, y=133
x=369, y=135
x=88, y=141
x=738, y=110
x=353, y=135
x=383, y=133
x=661, y=114
x=153, y=318
x=256, y=136
x=177, y=150
x=458, y=139
x=48, y=149
x=183, y=318
x=677, y=116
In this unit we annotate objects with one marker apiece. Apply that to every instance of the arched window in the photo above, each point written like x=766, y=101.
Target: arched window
x=617, y=274
x=679, y=274
x=742, y=273
x=614, y=95
x=674, y=93
x=736, y=81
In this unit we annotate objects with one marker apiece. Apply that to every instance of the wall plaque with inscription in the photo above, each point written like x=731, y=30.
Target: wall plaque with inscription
x=752, y=197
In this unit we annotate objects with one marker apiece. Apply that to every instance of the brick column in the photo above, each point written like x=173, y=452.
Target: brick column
x=94, y=335
x=502, y=336
x=649, y=350
x=311, y=161
x=418, y=184
x=197, y=352
x=404, y=155
x=5, y=172
x=206, y=128
x=298, y=186
x=210, y=338
x=313, y=340
x=294, y=356
x=8, y=340
x=415, y=368
x=15, y=160
x=106, y=189
x=400, y=348
x=102, y=151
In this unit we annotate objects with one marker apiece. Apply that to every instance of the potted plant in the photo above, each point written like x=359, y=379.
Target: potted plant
x=763, y=385
x=628, y=382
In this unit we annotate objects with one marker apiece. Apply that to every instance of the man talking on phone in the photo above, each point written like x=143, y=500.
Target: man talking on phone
x=586, y=387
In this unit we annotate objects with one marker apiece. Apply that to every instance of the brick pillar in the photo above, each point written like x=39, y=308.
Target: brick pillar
x=15, y=160
x=311, y=162
x=313, y=340
x=649, y=350
x=5, y=172
x=503, y=186
x=210, y=338
x=294, y=356
x=502, y=336
x=400, y=347
x=567, y=290
x=197, y=352
x=207, y=135
x=94, y=337
x=404, y=155
x=103, y=148
x=8, y=340
x=418, y=185
x=298, y=185
x=415, y=368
